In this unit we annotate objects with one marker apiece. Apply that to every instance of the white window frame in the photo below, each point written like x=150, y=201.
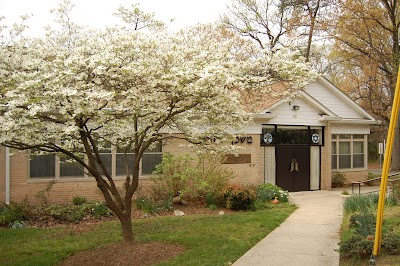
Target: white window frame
x=85, y=176
x=338, y=139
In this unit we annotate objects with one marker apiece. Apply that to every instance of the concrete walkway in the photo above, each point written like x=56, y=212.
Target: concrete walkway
x=310, y=236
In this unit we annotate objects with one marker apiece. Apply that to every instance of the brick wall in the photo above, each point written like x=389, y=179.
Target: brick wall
x=356, y=175
x=2, y=174
x=245, y=173
x=62, y=191
x=326, y=160
x=65, y=189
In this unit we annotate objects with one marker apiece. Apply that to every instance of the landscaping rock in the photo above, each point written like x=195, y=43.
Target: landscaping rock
x=179, y=213
x=221, y=212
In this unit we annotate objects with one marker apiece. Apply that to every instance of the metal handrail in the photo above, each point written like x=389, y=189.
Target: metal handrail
x=353, y=183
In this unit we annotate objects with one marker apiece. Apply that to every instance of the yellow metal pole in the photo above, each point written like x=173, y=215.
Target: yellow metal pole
x=386, y=166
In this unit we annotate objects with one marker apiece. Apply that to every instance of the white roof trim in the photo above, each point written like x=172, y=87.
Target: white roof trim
x=356, y=121
x=331, y=118
x=305, y=96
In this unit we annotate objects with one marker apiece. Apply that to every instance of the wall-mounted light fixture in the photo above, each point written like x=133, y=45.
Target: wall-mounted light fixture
x=296, y=107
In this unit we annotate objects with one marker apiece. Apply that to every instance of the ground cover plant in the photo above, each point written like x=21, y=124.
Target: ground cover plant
x=19, y=214
x=206, y=239
x=358, y=231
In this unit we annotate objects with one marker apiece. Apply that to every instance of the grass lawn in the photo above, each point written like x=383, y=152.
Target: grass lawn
x=391, y=221
x=209, y=239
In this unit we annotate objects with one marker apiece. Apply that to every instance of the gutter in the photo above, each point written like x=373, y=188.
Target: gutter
x=7, y=175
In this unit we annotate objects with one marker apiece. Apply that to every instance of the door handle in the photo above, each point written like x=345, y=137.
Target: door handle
x=294, y=166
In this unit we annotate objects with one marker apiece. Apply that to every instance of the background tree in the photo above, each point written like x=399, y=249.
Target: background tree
x=308, y=20
x=77, y=91
x=265, y=21
x=276, y=23
x=366, y=37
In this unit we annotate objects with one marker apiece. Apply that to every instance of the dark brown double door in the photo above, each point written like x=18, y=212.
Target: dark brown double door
x=293, y=167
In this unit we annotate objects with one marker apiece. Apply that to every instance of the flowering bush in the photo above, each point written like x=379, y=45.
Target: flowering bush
x=267, y=192
x=238, y=197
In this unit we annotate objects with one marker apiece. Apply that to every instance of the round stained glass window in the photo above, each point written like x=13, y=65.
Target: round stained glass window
x=315, y=138
x=267, y=138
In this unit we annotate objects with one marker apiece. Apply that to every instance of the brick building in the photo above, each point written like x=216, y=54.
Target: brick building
x=296, y=145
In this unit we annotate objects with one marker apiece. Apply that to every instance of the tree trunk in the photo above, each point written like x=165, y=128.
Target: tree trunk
x=310, y=34
x=127, y=231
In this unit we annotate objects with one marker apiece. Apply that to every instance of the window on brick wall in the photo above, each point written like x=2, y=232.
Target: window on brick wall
x=52, y=166
x=42, y=166
x=348, y=151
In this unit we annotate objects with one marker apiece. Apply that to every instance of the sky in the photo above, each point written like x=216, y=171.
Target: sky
x=98, y=13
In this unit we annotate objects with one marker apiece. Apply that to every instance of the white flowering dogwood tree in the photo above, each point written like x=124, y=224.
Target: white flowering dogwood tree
x=77, y=91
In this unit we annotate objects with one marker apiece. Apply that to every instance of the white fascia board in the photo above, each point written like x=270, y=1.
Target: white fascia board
x=357, y=121
x=331, y=118
x=265, y=116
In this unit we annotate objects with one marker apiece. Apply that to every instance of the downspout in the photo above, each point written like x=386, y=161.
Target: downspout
x=7, y=175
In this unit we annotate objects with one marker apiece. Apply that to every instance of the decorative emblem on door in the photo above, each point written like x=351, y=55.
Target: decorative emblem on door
x=294, y=166
x=267, y=138
x=315, y=138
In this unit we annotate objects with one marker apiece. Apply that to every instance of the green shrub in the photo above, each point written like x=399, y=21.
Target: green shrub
x=359, y=203
x=146, y=205
x=391, y=199
x=395, y=194
x=238, y=197
x=175, y=175
x=267, y=192
x=14, y=212
x=215, y=199
x=71, y=213
x=78, y=200
x=391, y=243
x=212, y=177
x=360, y=246
x=371, y=176
x=67, y=213
x=345, y=192
x=357, y=246
x=338, y=180
x=363, y=224
x=99, y=209
x=156, y=200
